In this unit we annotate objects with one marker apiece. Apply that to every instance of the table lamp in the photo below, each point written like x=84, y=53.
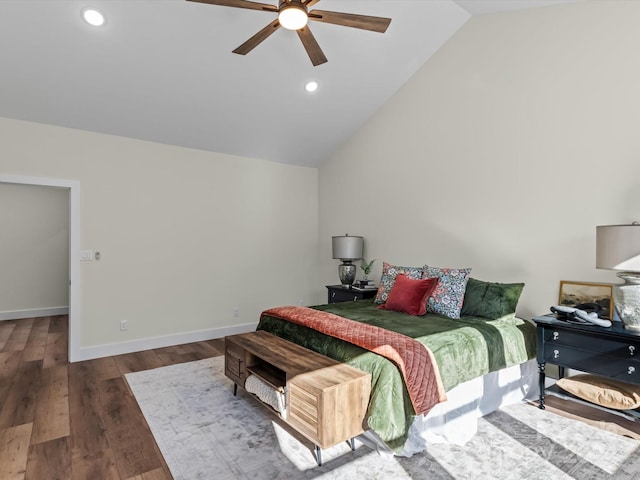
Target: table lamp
x=618, y=248
x=347, y=249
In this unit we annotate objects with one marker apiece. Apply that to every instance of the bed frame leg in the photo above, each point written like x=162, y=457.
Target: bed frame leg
x=352, y=444
x=235, y=389
x=319, y=455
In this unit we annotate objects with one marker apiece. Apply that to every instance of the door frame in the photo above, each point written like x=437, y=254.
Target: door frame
x=75, y=284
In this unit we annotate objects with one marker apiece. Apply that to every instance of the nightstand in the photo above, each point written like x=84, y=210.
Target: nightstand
x=340, y=293
x=612, y=352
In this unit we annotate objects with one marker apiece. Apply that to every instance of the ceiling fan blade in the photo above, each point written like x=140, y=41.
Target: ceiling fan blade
x=311, y=46
x=258, y=38
x=365, y=22
x=240, y=4
x=310, y=3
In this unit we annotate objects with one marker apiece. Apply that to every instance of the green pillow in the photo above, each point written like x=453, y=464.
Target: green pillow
x=490, y=300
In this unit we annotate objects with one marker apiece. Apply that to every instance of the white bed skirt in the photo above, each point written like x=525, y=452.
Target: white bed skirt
x=456, y=420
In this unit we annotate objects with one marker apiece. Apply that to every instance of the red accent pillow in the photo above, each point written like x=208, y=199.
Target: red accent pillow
x=409, y=295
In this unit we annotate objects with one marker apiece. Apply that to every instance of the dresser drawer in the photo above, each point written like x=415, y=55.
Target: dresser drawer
x=234, y=367
x=336, y=296
x=626, y=370
x=606, y=346
x=338, y=293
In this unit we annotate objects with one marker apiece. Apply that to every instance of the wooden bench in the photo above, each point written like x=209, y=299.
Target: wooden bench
x=326, y=401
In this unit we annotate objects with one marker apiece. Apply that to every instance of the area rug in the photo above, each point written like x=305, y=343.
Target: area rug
x=205, y=432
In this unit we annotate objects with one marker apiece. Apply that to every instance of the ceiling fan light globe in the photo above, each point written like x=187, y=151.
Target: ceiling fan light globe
x=93, y=17
x=292, y=17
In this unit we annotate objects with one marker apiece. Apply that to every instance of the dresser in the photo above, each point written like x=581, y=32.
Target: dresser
x=612, y=352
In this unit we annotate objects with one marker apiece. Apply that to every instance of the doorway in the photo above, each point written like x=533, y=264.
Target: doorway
x=74, y=249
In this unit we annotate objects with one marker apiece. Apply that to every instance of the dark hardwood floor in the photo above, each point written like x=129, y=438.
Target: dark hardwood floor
x=61, y=421
x=76, y=421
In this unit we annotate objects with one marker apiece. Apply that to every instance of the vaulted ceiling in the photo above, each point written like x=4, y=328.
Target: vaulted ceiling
x=163, y=71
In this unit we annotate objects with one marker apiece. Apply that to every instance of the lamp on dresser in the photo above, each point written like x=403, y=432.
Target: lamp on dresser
x=618, y=248
x=347, y=248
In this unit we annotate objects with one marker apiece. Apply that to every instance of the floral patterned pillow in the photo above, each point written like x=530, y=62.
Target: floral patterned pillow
x=388, y=278
x=449, y=293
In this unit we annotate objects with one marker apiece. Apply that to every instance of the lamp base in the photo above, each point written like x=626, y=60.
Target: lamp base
x=347, y=273
x=626, y=297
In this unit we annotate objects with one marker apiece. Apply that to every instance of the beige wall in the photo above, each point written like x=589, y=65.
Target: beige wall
x=34, y=250
x=502, y=153
x=184, y=235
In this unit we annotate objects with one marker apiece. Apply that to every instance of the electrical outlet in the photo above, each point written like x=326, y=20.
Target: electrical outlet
x=124, y=325
x=236, y=311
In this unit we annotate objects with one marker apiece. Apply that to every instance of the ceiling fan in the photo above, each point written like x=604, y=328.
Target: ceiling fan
x=293, y=15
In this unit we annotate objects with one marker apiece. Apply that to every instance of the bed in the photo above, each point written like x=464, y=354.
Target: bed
x=483, y=364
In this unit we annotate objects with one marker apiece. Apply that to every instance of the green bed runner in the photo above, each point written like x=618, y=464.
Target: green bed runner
x=464, y=349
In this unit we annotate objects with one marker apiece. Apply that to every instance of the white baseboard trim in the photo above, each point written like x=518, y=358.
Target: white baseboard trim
x=109, y=349
x=36, y=312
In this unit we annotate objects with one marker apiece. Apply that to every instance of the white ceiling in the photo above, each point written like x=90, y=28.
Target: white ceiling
x=163, y=71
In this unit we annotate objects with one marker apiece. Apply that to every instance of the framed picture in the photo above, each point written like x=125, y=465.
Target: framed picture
x=575, y=293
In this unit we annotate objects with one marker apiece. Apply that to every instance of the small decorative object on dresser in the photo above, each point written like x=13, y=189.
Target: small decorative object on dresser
x=577, y=293
x=612, y=352
x=366, y=269
x=340, y=293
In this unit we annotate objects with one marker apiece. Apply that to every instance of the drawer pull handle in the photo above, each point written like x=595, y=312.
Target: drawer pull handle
x=355, y=298
x=630, y=370
x=333, y=294
x=631, y=349
x=555, y=335
x=556, y=354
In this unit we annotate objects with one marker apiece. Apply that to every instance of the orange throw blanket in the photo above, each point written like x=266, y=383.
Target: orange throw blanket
x=414, y=360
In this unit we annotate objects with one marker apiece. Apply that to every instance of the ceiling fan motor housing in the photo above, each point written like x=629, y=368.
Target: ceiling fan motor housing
x=292, y=3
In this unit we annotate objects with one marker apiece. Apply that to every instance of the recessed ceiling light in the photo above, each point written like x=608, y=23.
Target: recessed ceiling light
x=93, y=17
x=311, y=87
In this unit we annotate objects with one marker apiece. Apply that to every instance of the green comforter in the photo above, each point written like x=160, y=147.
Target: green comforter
x=464, y=349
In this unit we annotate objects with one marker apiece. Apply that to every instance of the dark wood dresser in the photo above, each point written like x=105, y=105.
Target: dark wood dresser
x=612, y=352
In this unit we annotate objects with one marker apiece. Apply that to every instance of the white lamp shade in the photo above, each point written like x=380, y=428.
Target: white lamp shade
x=347, y=247
x=618, y=247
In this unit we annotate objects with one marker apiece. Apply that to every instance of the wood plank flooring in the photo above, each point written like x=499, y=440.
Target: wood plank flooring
x=62, y=421
x=76, y=421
